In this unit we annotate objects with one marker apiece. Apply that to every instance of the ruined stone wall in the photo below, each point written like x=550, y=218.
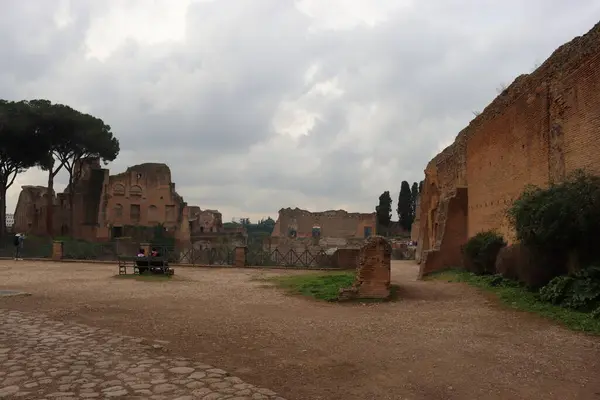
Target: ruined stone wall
x=336, y=224
x=144, y=195
x=504, y=154
x=539, y=129
x=414, y=229
x=373, y=272
x=208, y=221
x=443, y=175
x=88, y=202
x=30, y=212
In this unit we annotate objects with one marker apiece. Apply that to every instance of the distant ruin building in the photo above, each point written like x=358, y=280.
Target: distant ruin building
x=542, y=127
x=143, y=195
x=339, y=224
x=107, y=206
x=205, y=221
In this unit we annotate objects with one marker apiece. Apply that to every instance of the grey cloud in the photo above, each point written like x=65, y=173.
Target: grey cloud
x=206, y=105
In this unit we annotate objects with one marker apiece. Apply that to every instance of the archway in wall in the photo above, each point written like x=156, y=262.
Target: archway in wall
x=428, y=237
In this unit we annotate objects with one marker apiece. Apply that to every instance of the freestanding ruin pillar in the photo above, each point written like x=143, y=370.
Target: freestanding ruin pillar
x=373, y=271
x=57, y=250
x=239, y=256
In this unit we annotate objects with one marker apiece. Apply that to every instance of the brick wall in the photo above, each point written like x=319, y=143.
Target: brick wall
x=338, y=223
x=538, y=130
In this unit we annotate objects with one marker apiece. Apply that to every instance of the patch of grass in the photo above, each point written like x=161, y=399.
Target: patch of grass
x=146, y=277
x=518, y=297
x=321, y=286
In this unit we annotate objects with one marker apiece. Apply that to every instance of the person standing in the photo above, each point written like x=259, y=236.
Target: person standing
x=18, y=242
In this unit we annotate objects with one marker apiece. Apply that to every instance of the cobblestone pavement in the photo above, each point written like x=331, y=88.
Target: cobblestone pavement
x=44, y=359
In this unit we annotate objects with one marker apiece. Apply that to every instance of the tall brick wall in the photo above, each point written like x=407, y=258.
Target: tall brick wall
x=503, y=155
x=538, y=130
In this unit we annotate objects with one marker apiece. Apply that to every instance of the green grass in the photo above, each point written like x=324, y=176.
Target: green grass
x=320, y=286
x=146, y=277
x=515, y=296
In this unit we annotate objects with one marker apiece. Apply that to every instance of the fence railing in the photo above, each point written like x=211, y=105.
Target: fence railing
x=218, y=255
x=92, y=251
x=305, y=258
x=32, y=248
x=256, y=256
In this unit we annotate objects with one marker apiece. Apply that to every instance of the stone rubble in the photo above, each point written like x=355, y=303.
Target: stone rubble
x=43, y=359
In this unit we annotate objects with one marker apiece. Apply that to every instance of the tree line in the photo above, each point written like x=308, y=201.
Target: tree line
x=53, y=137
x=264, y=226
x=406, y=208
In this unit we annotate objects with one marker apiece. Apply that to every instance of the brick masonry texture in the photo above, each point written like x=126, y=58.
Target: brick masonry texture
x=542, y=127
x=373, y=271
x=333, y=223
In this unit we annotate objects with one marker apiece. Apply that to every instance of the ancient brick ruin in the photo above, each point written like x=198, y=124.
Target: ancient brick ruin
x=373, y=271
x=107, y=206
x=298, y=223
x=539, y=129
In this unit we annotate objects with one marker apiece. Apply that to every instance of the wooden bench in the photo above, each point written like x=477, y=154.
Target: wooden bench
x=141, y=265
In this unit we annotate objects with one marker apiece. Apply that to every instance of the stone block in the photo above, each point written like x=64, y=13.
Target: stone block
x=373, y=271
x=57, y=250
x=239, y=257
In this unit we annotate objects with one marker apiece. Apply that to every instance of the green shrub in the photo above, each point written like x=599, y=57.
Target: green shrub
x=561, y=219
x=580, y=291
x=481, y=251
x=518, y=297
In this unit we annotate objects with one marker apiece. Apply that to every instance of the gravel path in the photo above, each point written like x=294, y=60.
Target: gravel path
x=441, y=341
x=45, y=359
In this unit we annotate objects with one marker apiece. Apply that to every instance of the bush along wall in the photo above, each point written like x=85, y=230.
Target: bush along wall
x=480, y=252
x=579, y=291
x=561, y=221
x=560, y=226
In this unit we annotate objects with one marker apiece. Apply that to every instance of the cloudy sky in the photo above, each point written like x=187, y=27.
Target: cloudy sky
x=262, y=104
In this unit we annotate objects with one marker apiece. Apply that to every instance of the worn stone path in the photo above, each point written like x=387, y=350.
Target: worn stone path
x=44, y=359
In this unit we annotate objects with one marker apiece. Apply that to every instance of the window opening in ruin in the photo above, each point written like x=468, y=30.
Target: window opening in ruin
x=118, y=211
x=135, y=191
x=316, y=231
x=118, y=190
x=134, y=212
x=368, y=231
x=201, y=229
x=292, y=233
x=116, y=232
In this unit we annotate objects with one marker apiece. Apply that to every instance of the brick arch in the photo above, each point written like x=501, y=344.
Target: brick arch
x=118, y=190
x=135, y=190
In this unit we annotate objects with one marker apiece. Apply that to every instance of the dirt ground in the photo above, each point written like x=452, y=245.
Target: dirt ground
x=440, y=341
